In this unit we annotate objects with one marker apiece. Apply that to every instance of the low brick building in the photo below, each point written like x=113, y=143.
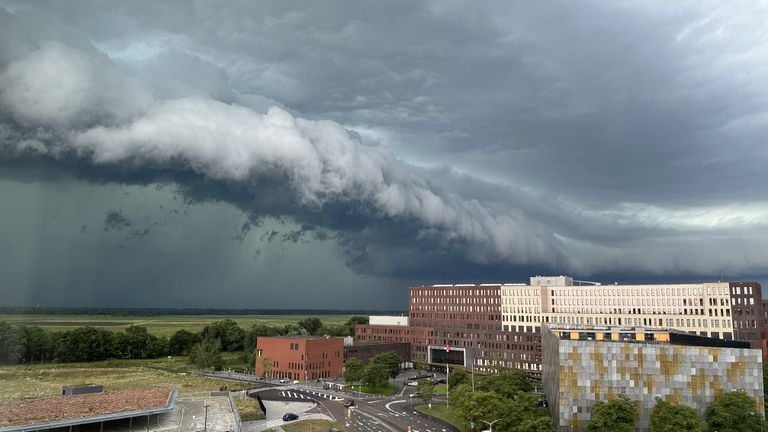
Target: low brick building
x=300, y=358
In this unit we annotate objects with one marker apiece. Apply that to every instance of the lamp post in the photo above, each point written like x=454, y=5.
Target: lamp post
x=490, y=424
x=205, y=422
x=181, y=421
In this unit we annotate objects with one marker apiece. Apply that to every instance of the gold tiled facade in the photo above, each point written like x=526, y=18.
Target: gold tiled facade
x=578, y=371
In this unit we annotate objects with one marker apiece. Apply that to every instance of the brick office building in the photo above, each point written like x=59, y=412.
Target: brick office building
x=499, y=325
x=300, y=358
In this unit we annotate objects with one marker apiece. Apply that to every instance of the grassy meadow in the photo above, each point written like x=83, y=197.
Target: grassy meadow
x=45, y=380
x=163, y=325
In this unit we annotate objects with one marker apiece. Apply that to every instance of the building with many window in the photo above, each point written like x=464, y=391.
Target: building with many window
x=299, y=358
x=499, y=325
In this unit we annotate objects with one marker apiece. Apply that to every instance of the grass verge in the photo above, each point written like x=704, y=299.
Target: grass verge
x=380, y=390
x=312, y=426
x=249, y=409
x=439, y=390
x=446, y=414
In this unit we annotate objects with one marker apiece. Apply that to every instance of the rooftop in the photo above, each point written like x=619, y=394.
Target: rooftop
x=649, y=335
x=80, y=408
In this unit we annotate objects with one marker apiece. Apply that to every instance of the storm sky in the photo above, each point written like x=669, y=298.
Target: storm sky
x=330, y=154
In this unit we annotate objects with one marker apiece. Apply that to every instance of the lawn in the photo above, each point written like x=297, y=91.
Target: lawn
x=311, y=426
x=163, y=325
x=45, y=380
x=445, y=413
x=381, y=390
x=439, y=390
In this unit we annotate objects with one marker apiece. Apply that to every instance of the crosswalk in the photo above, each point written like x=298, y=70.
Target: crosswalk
x=299, y=396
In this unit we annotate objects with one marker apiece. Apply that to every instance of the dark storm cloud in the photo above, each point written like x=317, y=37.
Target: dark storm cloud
x=590, y=138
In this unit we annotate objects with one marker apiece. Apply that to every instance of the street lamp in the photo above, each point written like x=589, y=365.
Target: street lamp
x=205, y=423
x=181, y=421
x=490, y=424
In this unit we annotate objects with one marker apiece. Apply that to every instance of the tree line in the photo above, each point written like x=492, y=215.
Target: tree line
x=33, y=344
x=730, y=412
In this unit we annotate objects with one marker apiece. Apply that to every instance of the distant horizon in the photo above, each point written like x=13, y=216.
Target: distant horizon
x=84, y=310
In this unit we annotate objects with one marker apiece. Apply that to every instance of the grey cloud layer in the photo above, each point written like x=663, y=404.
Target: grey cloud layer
x=630, y=143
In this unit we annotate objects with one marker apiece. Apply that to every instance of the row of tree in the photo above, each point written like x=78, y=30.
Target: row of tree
x=730, y=412
x=28, y=344
x=376, y=373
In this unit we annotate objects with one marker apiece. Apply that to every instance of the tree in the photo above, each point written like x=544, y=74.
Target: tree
x=426, y=389
x=536, y=424
x=84, y=344
x=311, y=325
x=732, y=412
x=266, y=365
x=228, y=332
x=506, y=383
x=12, y=343
x=207, y=354
x=352, y=322
x=37, y=344
x=477, y=405
x=616, y=415
x=520, y=409
x=666, y=417
x=375, y=375
x=458, y=377
x=353, y=370
x=389, y=360
x=182, y=341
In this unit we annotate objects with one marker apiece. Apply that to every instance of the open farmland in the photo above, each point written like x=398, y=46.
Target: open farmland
x=164, y=325
x=45, y=380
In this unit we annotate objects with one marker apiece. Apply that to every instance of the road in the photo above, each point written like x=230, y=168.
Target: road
x=383, y=414
x=370, y=414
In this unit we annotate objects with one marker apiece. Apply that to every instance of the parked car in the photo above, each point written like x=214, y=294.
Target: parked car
x=284, y=380
x=349, y=403
x=290, y=417
x=415, y=395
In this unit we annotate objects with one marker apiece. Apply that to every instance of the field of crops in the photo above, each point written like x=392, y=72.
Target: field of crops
x=164, y=325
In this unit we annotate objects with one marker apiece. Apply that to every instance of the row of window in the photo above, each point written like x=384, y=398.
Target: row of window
x=453, y=292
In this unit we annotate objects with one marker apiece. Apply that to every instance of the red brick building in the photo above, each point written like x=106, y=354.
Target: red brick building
x=300, y=358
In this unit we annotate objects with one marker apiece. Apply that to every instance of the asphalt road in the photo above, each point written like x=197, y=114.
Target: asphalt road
x=371, y=414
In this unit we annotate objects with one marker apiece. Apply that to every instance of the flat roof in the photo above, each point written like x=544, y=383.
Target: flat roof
x=62, y=411
x=308, y=337
x=676, y=337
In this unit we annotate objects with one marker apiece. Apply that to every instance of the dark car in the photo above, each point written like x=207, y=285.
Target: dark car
x=290, y=417
x=349, y=403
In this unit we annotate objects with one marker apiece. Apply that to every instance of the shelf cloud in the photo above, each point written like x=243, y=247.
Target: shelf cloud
x=541, y=159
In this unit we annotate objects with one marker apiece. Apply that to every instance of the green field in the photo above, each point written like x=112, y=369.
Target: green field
x=45, y=380
x=163, y=325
